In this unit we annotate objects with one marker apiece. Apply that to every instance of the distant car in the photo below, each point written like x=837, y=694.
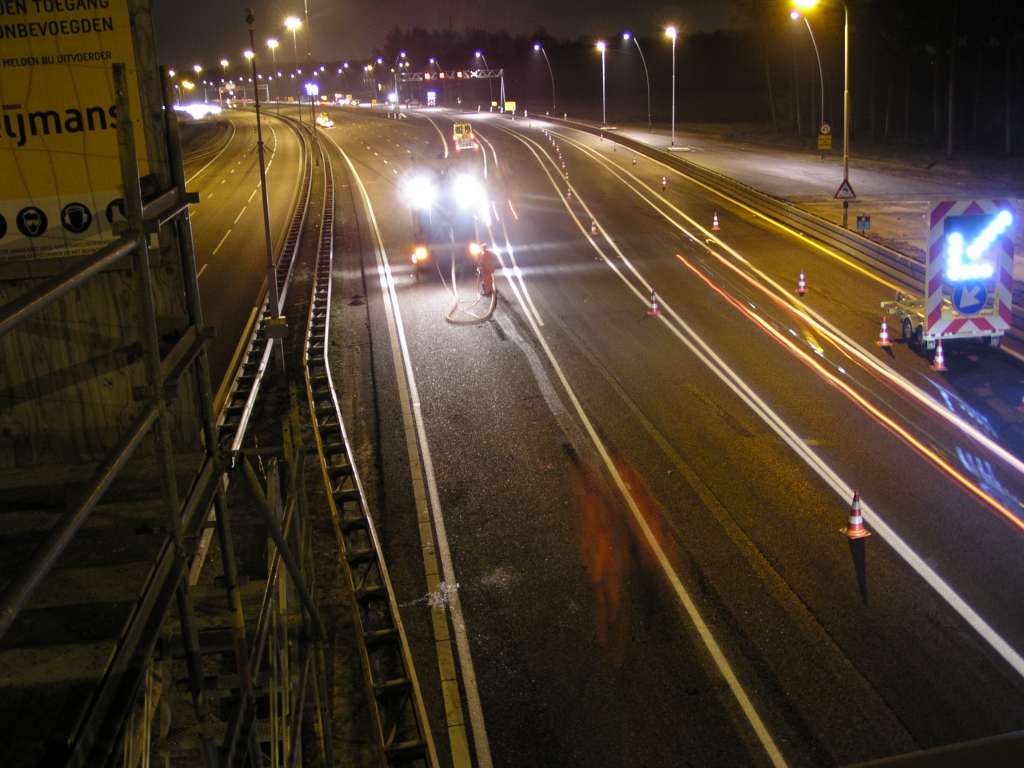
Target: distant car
x=415, y=103
x=324, y=120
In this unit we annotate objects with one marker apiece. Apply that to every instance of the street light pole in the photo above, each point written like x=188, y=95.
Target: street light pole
x=807, y=5
x=539, y=47
x=602, y=46
x=647, y=74
x=821, y=74
x=846, y=108
x=490, y=87
x=673, y=33
x=272, y=45
x=272, y=294
x=293, y=24
x=395, y=70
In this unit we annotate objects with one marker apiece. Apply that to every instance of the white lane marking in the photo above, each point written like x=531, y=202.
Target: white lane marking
x=214, y=158
x=785, y=228
x=223, y=180
x=823, y=470
x=221, y=243
x=519, y=274
x=416, y=432
x=253, y=194
x=703, y=630
x=201, y=270
x=240, y=214
x=444, y=139
x=814, y=318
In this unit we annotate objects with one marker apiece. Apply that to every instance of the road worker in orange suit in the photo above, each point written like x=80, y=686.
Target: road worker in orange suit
x=486, y=263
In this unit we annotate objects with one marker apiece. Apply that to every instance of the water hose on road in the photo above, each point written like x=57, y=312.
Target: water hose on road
x=457, y=306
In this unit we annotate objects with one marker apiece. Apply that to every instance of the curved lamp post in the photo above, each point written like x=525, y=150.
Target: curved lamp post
x=539, y=47
x=796, y=15
x=673, y=33
x=809, y=5
x=627, y=36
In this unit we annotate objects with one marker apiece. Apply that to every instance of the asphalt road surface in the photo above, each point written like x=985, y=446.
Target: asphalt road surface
x=227, y=224
x=637, y=516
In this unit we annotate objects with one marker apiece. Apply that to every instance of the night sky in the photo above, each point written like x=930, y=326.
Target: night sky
x=190, y=31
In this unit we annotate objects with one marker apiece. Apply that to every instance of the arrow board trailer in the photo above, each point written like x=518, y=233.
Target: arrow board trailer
x=968, y=275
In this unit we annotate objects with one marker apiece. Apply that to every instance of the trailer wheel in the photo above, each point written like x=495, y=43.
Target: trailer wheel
x=908, y=331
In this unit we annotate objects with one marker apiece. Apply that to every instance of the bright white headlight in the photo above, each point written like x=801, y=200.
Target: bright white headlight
x=420, y=192
x=468, y=192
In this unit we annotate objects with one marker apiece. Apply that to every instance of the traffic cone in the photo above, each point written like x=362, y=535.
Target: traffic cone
x=1022, y=403
x=883, y=335
x=655, y=309
x=634, y=159
x=801, y=285
x=568, y=193
x=593, y=227
x=664, y=183
x=856, y=529
x=566, y=175
x=714, y=222
x=939, y=363
x=615, y=147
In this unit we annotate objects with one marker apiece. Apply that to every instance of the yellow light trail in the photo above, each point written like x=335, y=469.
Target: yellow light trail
x=857, y=398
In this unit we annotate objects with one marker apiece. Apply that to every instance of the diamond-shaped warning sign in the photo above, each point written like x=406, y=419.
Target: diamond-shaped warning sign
x=845, y=191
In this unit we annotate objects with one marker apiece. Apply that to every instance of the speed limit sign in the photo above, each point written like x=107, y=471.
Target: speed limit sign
x=826, y=129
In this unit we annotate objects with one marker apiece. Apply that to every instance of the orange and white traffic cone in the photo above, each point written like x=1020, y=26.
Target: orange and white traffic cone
x=593, y=227
x=566, y=175
x=664, y=183
x=634, y=159
x=714, y=222
x=801, y=285
x=655, y=309
x=939, y=363
x=856, y=529
x=1022, y=403
x=883, y=335
x=568, y=193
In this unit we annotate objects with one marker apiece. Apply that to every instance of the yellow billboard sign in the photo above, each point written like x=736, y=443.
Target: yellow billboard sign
x=510, y=106
x=61, y=189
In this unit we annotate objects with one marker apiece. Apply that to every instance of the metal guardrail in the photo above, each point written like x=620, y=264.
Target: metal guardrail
x=895, y=265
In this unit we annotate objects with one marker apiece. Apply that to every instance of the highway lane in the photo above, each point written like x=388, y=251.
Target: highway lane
x=227, y=225
x=565, y=670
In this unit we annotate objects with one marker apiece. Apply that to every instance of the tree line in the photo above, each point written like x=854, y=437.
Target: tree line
x=939, y=73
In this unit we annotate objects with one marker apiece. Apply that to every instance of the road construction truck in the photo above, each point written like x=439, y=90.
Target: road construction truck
x=464, y=138
x=968, y=276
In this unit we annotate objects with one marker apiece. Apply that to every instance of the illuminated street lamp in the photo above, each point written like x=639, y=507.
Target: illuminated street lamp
x=272, y=45
x=602, y=46
x=490, y=89
x=809, y=5
x=395, y=70
x=796, y=15
x=539, y=47
x=673, y=33
x=627, y=36
x=293, y=24
x=441, y=77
